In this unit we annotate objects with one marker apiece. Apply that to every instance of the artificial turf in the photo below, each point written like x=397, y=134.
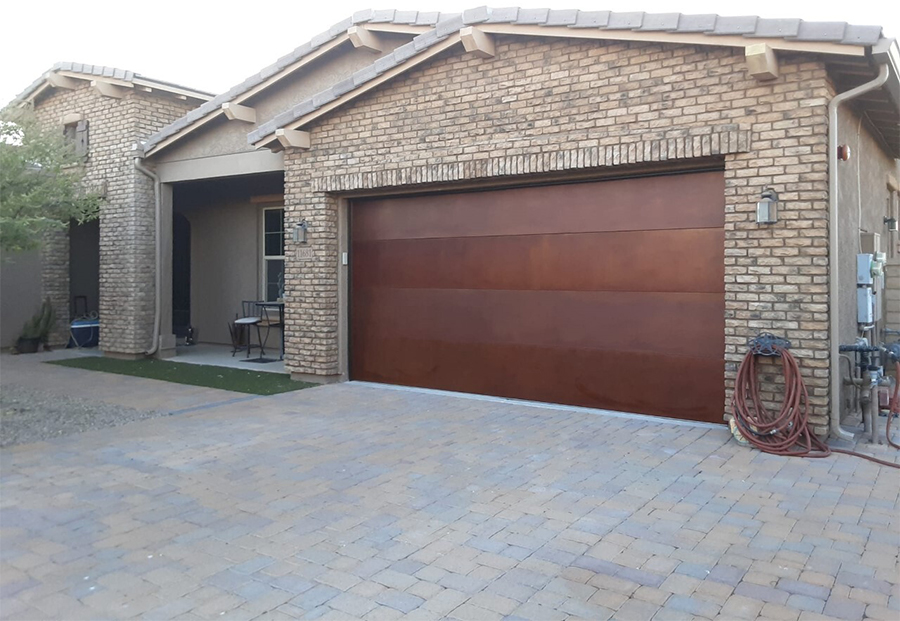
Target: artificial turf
x=236, y=380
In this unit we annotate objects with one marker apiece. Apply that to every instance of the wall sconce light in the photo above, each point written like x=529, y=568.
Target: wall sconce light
x=300, y=232
x=891, y=224
x=767, y=207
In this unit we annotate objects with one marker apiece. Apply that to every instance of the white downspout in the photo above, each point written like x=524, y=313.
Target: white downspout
x=833, y=264
x=154, y=345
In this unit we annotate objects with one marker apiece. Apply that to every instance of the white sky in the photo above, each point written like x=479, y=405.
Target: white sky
x=211, y=46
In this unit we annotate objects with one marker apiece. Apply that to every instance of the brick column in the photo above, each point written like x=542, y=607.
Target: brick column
x=127, y=269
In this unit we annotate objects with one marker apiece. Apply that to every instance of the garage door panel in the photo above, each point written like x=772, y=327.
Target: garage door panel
x=626, y=261
x=606, y=294
x=554, y=320
x=649, y=203
x=679, y=387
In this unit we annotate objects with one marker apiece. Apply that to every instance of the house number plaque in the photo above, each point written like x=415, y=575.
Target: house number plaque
x=304, y=253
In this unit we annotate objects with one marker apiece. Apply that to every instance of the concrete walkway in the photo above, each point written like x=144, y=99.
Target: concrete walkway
x=353, y=501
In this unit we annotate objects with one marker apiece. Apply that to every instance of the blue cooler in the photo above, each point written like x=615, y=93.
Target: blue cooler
x=84, y=333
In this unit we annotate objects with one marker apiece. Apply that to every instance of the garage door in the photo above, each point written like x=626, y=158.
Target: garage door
x=604, y=294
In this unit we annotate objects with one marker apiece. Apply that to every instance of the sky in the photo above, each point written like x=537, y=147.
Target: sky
x=212, y=46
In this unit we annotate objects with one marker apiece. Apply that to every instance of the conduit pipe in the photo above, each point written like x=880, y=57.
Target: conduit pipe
x=154, y=345
x=833, y=263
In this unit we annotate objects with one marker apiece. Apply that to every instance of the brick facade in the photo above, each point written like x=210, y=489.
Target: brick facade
x=127, y=243
x=545, y=105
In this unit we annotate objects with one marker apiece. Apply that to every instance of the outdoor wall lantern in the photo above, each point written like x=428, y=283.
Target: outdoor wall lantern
x=891, y=224
x=300, y=232
x=767, y=207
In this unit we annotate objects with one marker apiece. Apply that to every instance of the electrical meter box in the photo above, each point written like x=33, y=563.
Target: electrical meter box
x=864, y=269
x=865, y=305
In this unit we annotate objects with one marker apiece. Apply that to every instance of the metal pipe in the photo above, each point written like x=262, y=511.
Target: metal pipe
x=154, y=346
x=833, y=263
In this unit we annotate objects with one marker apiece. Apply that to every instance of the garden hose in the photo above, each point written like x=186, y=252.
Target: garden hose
x=786, y=432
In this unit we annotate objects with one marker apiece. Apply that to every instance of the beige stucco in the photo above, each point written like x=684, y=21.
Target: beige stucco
x=221, y=136
x=863, y=196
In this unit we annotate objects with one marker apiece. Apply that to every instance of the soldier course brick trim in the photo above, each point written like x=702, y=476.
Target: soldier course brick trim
x=699, y=143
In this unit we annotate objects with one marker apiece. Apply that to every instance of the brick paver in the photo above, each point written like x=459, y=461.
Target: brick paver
x=352, y=501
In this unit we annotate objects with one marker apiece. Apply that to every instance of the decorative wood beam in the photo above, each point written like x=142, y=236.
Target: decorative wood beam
x=108, y=89
x=477, y=42
x=362, y=37
x=292, y=138
x=60, y=81
x=237, y=112
x=761, y=62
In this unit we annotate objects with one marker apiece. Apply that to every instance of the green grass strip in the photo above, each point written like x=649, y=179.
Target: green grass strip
x=223, y=378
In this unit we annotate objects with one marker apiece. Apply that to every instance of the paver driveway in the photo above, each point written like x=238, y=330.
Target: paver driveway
x=352, y=501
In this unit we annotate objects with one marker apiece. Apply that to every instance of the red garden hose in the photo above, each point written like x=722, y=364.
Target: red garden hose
x=787, y=431
x=894, y=407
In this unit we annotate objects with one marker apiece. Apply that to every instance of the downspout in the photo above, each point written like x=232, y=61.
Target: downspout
x=833, y=263
x=154, y=345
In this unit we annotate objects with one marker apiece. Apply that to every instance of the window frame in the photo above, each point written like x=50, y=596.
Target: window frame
x=265, y=258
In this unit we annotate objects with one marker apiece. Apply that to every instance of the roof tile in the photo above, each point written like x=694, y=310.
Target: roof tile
x=821, y=31
x=504, y=16
x=591, y=19
x=735, y=25
x=362, y=16
x=382, y=16
x=697, y=23
x=776, y=28
x=427, y=18
x=562, y=17
x=406, y=17
x=861, y=35
x=532, y=16
x=625, y=21
x=476, y=16
x=660, y=21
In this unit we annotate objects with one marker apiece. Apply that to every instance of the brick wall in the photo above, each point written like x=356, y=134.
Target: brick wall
x=545, y=105
x=126, y=217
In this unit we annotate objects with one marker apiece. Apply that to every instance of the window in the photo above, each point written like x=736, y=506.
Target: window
x=273, y=254
x=76, y=133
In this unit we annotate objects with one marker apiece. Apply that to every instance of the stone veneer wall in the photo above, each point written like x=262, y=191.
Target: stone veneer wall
x=553, y=105
x=127, y=219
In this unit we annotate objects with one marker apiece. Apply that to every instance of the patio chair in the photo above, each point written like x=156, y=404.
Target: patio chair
x=272, y=317
x=250, y=317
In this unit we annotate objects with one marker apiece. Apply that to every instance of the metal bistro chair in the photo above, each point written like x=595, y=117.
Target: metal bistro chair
x=272, y=314
x=250, y=317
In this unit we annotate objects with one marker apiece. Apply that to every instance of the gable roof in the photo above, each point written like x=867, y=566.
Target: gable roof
x=82, y=71
x=390, y=19
x=784, y=34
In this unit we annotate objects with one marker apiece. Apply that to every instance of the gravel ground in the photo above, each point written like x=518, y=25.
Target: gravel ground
x=28, y=415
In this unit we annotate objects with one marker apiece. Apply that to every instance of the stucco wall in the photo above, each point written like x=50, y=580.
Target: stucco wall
x=220, y=137
x=543, y=105
x=20, y=292
x=863, y=197
x=224, y=265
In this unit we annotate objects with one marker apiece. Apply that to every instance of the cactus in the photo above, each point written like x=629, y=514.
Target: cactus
x=40, y=324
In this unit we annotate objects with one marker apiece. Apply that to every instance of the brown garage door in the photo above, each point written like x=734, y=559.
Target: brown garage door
x=605, y=294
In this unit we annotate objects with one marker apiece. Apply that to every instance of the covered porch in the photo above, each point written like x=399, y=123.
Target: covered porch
x=227, y=261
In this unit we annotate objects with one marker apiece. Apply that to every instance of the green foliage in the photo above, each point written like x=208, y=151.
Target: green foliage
x=39, y=326
x=40, y=182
